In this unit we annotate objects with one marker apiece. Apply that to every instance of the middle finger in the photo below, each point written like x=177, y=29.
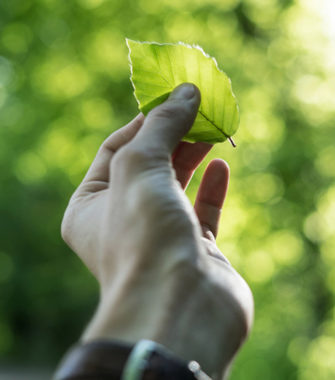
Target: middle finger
x=186, y=158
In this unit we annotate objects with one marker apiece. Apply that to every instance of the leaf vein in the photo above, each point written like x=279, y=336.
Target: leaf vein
x=212, y=122
x=159, y=65
x=171, y=70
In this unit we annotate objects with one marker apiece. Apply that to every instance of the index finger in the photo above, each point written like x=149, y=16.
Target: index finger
x=99, y=169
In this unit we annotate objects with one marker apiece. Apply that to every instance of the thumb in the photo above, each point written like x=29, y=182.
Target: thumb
x=166, y=124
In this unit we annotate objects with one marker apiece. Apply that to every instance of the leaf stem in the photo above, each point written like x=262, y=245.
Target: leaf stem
x=232, y=142
x=228, y=137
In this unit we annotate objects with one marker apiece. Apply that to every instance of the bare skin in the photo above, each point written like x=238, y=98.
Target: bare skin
x=161, y=274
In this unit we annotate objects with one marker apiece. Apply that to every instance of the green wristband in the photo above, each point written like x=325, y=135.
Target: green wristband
x=138, y=359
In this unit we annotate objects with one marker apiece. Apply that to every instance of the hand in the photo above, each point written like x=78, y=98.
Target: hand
x=161, y=274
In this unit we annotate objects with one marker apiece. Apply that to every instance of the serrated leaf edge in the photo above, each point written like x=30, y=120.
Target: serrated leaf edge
x=189, y=47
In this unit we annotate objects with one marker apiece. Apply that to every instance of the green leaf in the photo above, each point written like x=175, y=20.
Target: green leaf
x=156, y=69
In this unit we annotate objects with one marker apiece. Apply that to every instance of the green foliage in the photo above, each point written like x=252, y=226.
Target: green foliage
x=64, y=86
x=156, y=69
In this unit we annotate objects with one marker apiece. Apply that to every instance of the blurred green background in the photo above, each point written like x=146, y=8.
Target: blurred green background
x=64, y=87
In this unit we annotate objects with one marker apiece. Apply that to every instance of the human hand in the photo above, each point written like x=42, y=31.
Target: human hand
x=161, y=274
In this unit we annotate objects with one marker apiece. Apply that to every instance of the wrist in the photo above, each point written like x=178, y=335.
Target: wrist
x=182, y=315
x=117, y=360
x=133, y=303
x=136, y=307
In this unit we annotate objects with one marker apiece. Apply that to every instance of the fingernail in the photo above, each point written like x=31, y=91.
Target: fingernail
x=183, y=91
